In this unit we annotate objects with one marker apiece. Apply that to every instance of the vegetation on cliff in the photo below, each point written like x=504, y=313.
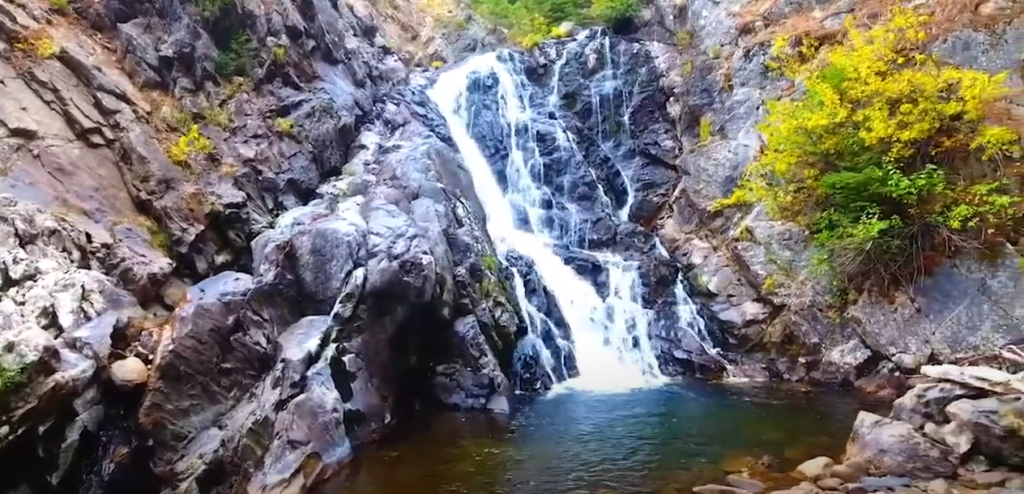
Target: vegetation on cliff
x=889, y=157
x=531, y=21
x=10, y=377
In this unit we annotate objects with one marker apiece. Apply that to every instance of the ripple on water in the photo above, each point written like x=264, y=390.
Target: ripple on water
x=637, y=442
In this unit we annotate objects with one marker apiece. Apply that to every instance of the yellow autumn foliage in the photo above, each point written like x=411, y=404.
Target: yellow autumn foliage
x=887, y=156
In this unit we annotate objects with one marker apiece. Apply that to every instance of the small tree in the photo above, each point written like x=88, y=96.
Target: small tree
x=887, y=158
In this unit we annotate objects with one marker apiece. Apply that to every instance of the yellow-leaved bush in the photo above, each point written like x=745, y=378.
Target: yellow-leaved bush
x=191, y=144
x=887, y=156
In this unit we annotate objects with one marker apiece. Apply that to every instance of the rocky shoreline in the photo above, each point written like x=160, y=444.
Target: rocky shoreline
x=959, y=430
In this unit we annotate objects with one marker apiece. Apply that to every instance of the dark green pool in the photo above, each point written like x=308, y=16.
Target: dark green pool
x=649, y=441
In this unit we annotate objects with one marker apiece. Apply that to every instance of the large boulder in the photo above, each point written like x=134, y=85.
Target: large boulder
x=890, y=447
x=365, y=304
x=996, y=423
x=927, y=403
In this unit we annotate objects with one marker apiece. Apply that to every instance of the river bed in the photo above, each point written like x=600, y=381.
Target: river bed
x=658, y=440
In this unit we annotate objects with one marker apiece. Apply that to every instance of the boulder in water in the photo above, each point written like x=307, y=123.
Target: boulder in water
x=814, y=469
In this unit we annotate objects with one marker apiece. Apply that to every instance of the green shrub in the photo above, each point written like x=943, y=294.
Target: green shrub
x=684, y=38
x=888, y=159
x=531, y=21
x=279, y=54
x=191, y=144
x=490, y=263
x=211, y=9
x=704, y=131
x=284, y=126
x=217, y=116
x=611, y=12
x=235, y=60
x=11, y=377
x=61, y=6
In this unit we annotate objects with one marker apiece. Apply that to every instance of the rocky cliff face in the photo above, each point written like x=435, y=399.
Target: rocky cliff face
x=752, y=272
x=332, y=242
x=233, y=306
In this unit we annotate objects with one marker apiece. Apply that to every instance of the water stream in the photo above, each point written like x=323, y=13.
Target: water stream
x=535, y=216
x=650, y=441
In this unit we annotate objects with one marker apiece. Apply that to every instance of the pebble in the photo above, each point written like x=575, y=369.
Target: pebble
x=985, y=480
x=846, y=473
x=129, y=372
x=746, y=483
x=815, y=469
x=718, y=489
x=938, y=486
x=830, y=484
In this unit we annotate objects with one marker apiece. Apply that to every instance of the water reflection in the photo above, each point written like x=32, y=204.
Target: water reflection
x=637, y=442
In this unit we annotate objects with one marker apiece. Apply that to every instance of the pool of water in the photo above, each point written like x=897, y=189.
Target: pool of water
x=647, y=441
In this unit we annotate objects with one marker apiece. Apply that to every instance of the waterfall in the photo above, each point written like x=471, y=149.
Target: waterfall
x=538, y=222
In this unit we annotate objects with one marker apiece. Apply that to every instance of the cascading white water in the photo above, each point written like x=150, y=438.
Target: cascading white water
x=610, y=336
x=607, y=358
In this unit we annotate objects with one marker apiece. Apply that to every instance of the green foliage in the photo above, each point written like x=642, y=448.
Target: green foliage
x=888, y=160
x=159, y=239
x=211, y=9
x=610, y=12
x=193, y=143
x=217, y=116
x=237, y=85
x=11, y=377
x=284, y=126
x=489, y=263
x=235, y=60
x=61, y=6
x=38, y=44
x=715, y=51
x=530, y=22
x=704, y=131
x=686, y=69
x=684, y=38
x=279, y=54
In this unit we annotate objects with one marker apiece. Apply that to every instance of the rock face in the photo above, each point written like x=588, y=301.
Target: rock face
x=752, y=273
x=315, y=324
x=594, y=181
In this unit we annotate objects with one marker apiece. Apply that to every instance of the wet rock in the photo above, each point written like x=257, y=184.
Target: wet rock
x=876, y=484
x=717, y=489
x=829, y=484
x=129, y=372
x=815, y=469
x=994, y=422
x=896, y=448
x=987, y=480
x=939, y=486
x=850, y=471
x=746, y=483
